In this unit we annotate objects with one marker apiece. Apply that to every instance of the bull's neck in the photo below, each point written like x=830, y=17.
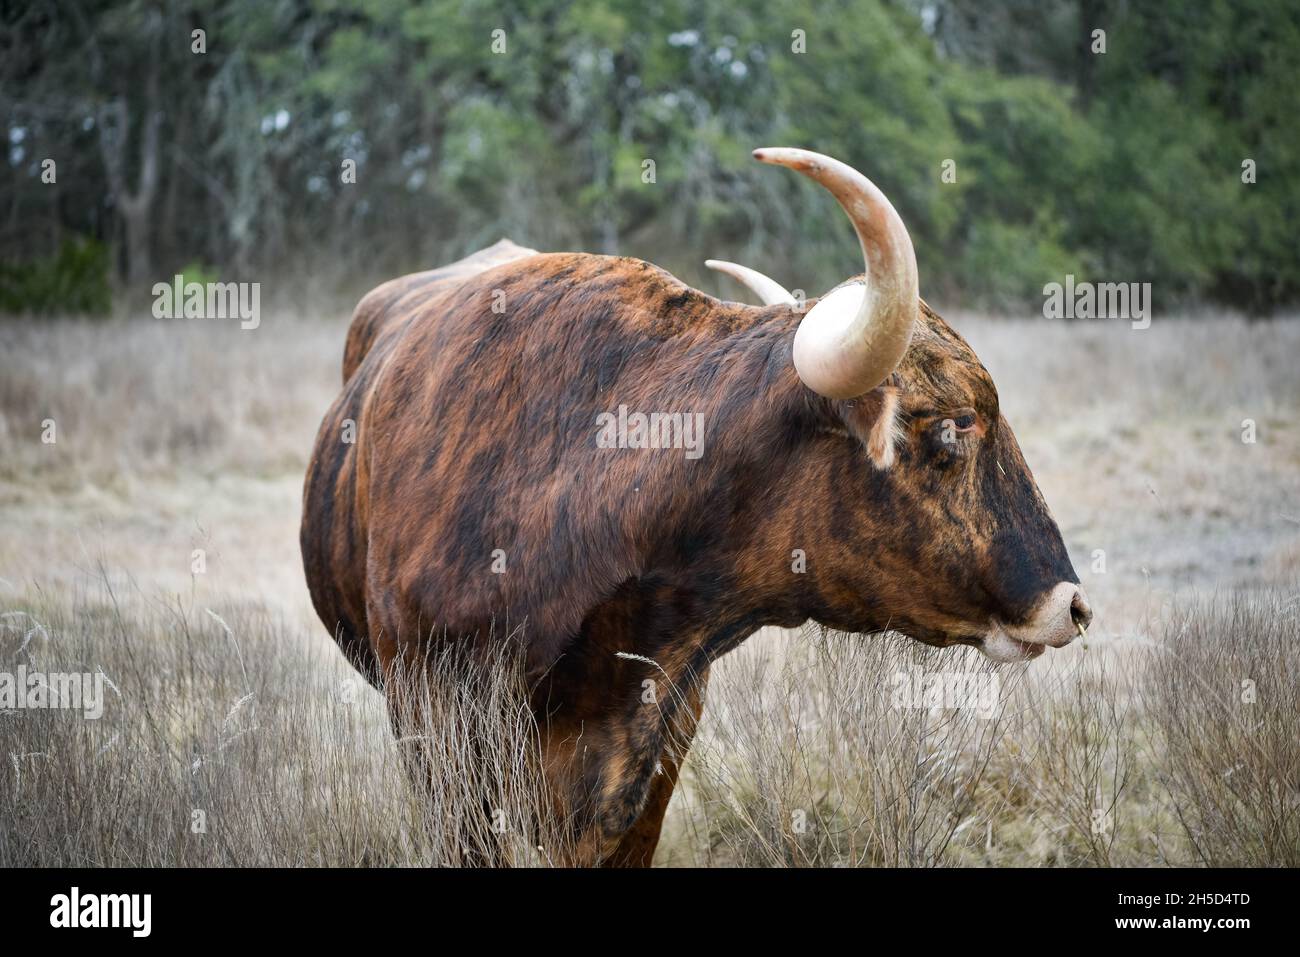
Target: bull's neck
x=755, y=416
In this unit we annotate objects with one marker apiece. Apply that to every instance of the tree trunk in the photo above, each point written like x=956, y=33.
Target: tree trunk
x=134, y=206
x=139, y=262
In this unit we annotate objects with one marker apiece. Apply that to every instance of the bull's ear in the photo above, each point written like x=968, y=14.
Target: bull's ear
x=872, y=419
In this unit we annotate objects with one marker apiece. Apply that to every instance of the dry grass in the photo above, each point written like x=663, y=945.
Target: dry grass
x=134, y=399
x=181, y=436
x=810, y=758
x=228, y=740
x=1223, y=690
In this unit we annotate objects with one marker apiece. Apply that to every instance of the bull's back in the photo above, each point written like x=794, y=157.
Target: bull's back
x=334, y=534
x=388, y=307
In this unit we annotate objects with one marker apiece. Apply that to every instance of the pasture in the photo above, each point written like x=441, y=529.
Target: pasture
x=155, y=540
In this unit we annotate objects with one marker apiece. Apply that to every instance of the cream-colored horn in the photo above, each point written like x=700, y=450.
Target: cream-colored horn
x=767, y=289
x=855, y=336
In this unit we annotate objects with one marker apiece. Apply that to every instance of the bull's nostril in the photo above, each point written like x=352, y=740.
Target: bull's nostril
x=1080, y=610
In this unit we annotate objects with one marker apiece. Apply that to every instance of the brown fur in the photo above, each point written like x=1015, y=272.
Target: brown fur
x=476, y=431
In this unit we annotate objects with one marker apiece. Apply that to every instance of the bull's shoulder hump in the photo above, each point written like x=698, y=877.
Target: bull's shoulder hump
x=389, y=301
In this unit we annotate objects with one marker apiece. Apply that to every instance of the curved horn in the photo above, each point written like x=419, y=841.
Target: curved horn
x=769, y=290
x=855, y=336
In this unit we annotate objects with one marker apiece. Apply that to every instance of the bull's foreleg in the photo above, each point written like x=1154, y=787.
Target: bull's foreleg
x=636, y=848
x=629, y=769
x=430, y=761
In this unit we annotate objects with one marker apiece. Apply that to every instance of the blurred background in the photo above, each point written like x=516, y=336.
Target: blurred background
x=1122, y=165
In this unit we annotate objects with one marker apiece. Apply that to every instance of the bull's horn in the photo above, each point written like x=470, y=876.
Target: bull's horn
x=855, y=336
x=767, y=289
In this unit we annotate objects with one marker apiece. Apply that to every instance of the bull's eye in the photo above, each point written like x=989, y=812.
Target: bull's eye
x=954, y=434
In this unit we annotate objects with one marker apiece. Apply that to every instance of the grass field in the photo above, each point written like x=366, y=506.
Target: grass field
x=155, y=540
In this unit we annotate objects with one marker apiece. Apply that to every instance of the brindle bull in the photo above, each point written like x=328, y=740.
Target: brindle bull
x=860, y=431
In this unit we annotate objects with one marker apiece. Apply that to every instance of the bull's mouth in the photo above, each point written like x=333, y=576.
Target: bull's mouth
x=1027, y=650
x=1001, y=647
x=1060, y=616
x=997, y=644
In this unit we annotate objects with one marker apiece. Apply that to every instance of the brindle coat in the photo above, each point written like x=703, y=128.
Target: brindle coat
x=476, y=430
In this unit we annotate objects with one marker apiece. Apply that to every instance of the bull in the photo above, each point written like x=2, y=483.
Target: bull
x=857, y=433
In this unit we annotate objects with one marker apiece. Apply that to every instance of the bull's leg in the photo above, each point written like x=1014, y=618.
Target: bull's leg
x=637, y=846
x=434, y=765
x=611, y=788
x=444, y=746
x=627, y=774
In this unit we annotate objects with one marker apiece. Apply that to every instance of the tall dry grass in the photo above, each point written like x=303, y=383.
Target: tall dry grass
x=1141, y=759
x=1223, y=692
x=134, y=398
x=808, y=757
x=229, y=738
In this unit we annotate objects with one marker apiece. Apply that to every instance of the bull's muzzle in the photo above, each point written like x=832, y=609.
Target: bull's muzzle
x=1062, y=615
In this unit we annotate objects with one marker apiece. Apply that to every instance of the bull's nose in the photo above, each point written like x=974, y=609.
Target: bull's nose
x=1080, y=610
x=1060, y=617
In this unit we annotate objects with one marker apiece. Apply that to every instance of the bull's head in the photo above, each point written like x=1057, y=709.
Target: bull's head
x=946, y=538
